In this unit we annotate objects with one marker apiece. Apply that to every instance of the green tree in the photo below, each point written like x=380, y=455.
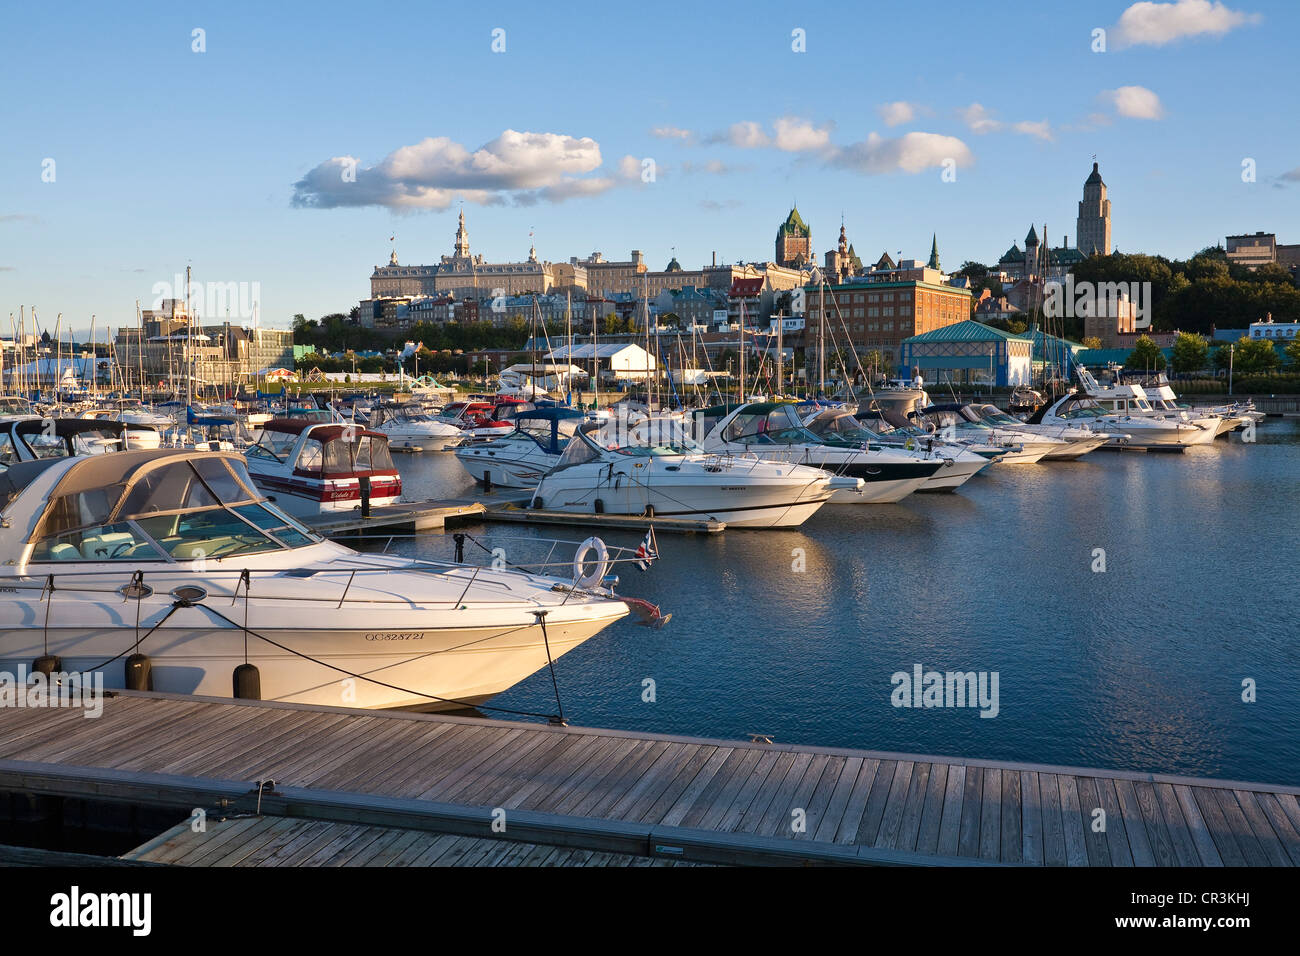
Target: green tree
x=1191, y=352
x=1091, y=342
x=1145, y=355
x=1255, y=355
x=1293, y=352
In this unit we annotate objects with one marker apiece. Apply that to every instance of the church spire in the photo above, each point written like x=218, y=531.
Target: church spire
x=462, y=238
x=934, y=253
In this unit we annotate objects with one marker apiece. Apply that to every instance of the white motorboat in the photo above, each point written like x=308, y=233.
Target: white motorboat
x=1229, y=417
x=773, y=431
x=408, y=426
x=1068, y=442
x=645, y=474
x=312, y=468
x=34, y=439
x=138, y=434
x=174, y=565
x=520, y=459
x=1123, y=410
x=957, y=464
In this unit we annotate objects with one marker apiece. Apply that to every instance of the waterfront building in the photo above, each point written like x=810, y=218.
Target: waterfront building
x=881, y=309
x=968, y=353
x=1275, y=331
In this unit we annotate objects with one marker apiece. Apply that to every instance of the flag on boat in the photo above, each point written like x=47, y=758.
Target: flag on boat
x=647, y=551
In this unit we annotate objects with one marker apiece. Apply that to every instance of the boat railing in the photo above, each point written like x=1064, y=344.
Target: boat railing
x=476, y=590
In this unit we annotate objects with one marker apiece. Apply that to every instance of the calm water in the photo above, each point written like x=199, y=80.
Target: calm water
x=1139, y=667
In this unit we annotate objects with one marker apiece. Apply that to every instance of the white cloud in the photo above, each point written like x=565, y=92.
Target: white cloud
x=979, y=119
x=672, y=132
x=789, y=134
x=747, y=135
x=1039, y=130
x=712, y=205
x=797, y=136
x=897, y=113
x=909, y=153
x=1135, y=102
x=1157, y=24
x=521, y=167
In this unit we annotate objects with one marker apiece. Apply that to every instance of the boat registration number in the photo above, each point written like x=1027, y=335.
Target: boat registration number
x=395, y=636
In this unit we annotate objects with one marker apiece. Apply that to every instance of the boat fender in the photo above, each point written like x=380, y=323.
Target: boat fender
x=139, y=672
x=47, y=664
x=580, y=558
x=247, y=682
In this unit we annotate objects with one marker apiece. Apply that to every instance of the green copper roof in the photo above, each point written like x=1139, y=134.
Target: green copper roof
x=968, y=330
x=1012, y=255
x=934, y=252
x=1032, y=238
x=794, y=225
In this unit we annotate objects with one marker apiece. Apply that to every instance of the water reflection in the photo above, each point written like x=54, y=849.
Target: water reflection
x=1138, y=667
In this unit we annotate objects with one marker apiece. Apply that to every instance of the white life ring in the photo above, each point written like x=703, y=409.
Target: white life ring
x=580, y=558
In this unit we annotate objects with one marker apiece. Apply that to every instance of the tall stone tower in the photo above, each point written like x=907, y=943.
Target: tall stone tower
x=1092, y=230
x=462, y=239
x=793, y=241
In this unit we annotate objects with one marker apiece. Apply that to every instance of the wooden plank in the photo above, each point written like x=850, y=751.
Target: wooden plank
x=777, y=810
x=1117, y=835
x=1157, y=829
x=1218, y=828
x=1049, y=802
x=910, y=829
x=1240, y=828
x=1012, y=825
x=891, y=820
x=1180, y=831
x=1206, y=849
x=882, y=783
x=953, y=803
x=847, y=831
x=1075, y=826
x=1094, y=839
x=1286, y=831
x=722, y=789
x=817, y=793
x=793, y=796
x=1031, y=831
x=838, y=801
x=972, y=805
x=991, y=815
x=1269, y=841
x=1139, y=842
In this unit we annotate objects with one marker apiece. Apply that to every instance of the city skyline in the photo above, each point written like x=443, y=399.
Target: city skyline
x=288, y=150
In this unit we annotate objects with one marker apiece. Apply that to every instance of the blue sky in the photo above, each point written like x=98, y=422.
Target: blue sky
x=166, y=157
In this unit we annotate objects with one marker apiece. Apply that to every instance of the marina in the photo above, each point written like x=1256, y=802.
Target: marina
x=359, y=777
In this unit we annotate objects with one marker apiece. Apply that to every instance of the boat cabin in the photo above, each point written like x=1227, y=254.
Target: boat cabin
x=164, y=506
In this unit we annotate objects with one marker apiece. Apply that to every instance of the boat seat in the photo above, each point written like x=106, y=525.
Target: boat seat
x=104, y=547
x=64, y=552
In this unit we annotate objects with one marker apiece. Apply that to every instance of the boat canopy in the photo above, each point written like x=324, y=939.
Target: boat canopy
x=331, y=450
x=158, y=506
x=768, y=423
x=551, y=428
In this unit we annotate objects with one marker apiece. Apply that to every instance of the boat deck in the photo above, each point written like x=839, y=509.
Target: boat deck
x=637, y=794
x=417, y=515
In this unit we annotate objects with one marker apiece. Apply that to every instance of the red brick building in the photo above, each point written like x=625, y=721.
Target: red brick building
x=879, y=315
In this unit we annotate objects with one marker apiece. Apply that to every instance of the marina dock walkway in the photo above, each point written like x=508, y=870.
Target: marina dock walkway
x=601, y=791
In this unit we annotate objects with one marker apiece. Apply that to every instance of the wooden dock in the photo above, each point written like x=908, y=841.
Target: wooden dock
x=416, y=515
x=283, y=841
x=601, y=791
x=511, y=512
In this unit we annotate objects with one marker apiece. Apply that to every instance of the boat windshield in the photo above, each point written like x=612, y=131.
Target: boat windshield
x=995, y=415
x=776, y=426
x=272, y=445
x=1080, y=408
x=187, y=510
x=840, y=427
